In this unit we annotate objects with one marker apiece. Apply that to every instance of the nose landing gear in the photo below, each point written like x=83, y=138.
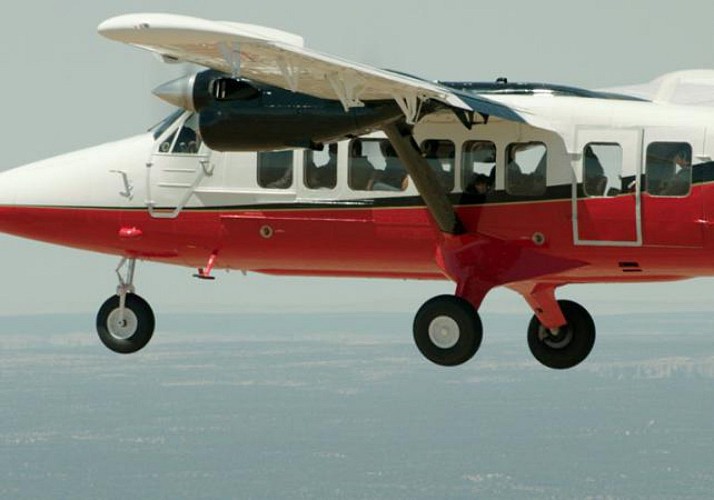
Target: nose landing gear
x=125, y=322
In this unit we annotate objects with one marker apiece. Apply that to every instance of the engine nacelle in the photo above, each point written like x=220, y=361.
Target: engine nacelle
x=241, y=115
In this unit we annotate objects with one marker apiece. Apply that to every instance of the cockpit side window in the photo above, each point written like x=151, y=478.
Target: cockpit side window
x=161, y=127
x=188, y=140
x=185, y=140
x=165, y=145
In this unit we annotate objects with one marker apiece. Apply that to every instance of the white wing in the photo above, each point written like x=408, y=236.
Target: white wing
x=273, y=57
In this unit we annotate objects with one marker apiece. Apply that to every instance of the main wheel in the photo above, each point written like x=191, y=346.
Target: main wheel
x=570, y=344
x=447, y=330
x=128, y=332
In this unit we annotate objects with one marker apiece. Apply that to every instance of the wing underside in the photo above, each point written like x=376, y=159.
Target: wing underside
x=278, y=58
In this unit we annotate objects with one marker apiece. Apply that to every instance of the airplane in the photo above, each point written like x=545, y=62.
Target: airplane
x=287, y=161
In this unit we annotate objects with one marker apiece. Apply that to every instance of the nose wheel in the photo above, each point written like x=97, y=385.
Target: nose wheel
x=128, y=329
x=447, y=330
x=567, y=346
x=125, y=322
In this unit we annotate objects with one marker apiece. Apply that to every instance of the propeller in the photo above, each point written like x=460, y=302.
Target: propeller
x=170, y=70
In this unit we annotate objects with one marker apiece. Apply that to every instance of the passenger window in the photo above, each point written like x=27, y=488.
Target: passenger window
x=275, y=169
x=440, y=156
x=602, y=169
x=374, y=166
x=526, y=168
x=188, y=140
x=321, y=168
x=479, y=167
x=668, y=169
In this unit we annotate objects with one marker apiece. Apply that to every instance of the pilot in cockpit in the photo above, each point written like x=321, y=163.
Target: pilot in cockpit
x=188, y=140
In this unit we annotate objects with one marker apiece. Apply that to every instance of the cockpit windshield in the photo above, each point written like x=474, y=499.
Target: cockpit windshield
x=161, y=127
x=180, y=135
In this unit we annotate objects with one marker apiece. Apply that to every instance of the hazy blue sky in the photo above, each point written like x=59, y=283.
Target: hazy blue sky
x=64, y=88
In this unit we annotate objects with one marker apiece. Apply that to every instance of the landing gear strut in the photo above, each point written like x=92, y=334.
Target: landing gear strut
x=566, y=346
x=447, y=330
x=125, y=322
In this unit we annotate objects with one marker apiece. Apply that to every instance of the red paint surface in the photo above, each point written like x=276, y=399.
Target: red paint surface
x=400, y=242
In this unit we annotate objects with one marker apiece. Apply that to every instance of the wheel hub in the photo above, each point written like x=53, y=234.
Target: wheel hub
x=556, y=339
x=120, y=325
x=444, y=332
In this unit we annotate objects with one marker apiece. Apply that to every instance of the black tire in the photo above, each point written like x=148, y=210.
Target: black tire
x=131, y=334
x=462, y=330
x=571, y=345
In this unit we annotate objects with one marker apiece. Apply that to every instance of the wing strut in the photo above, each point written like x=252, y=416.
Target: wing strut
x=424, y=178
x=231, y=53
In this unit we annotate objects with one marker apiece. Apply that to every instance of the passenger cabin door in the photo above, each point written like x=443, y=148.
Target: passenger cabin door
x=177, y=166
x=607, y=187
x=672, y=207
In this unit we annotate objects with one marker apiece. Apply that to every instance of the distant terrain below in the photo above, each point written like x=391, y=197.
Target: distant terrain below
x=343, y=406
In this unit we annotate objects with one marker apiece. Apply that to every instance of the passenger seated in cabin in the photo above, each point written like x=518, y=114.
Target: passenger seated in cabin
x=515, y=178
x=660, y=167
x=479, y=184
x=275, y=169
x=439, y=153
x=513, y=168
x=361, y=170
x=322, y=176
x=668, y=168
x=285, y=181
x=526, y=169
x=594, y=179
x=680, y=183
x=394, y=176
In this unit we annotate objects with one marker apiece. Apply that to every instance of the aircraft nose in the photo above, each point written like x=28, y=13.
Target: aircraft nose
x=87, y=177
x=178, y=92
x=39, y=200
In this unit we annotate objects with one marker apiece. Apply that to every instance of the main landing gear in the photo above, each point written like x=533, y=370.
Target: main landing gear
x=125, y=322
x=448, y=332
x=565, y=346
